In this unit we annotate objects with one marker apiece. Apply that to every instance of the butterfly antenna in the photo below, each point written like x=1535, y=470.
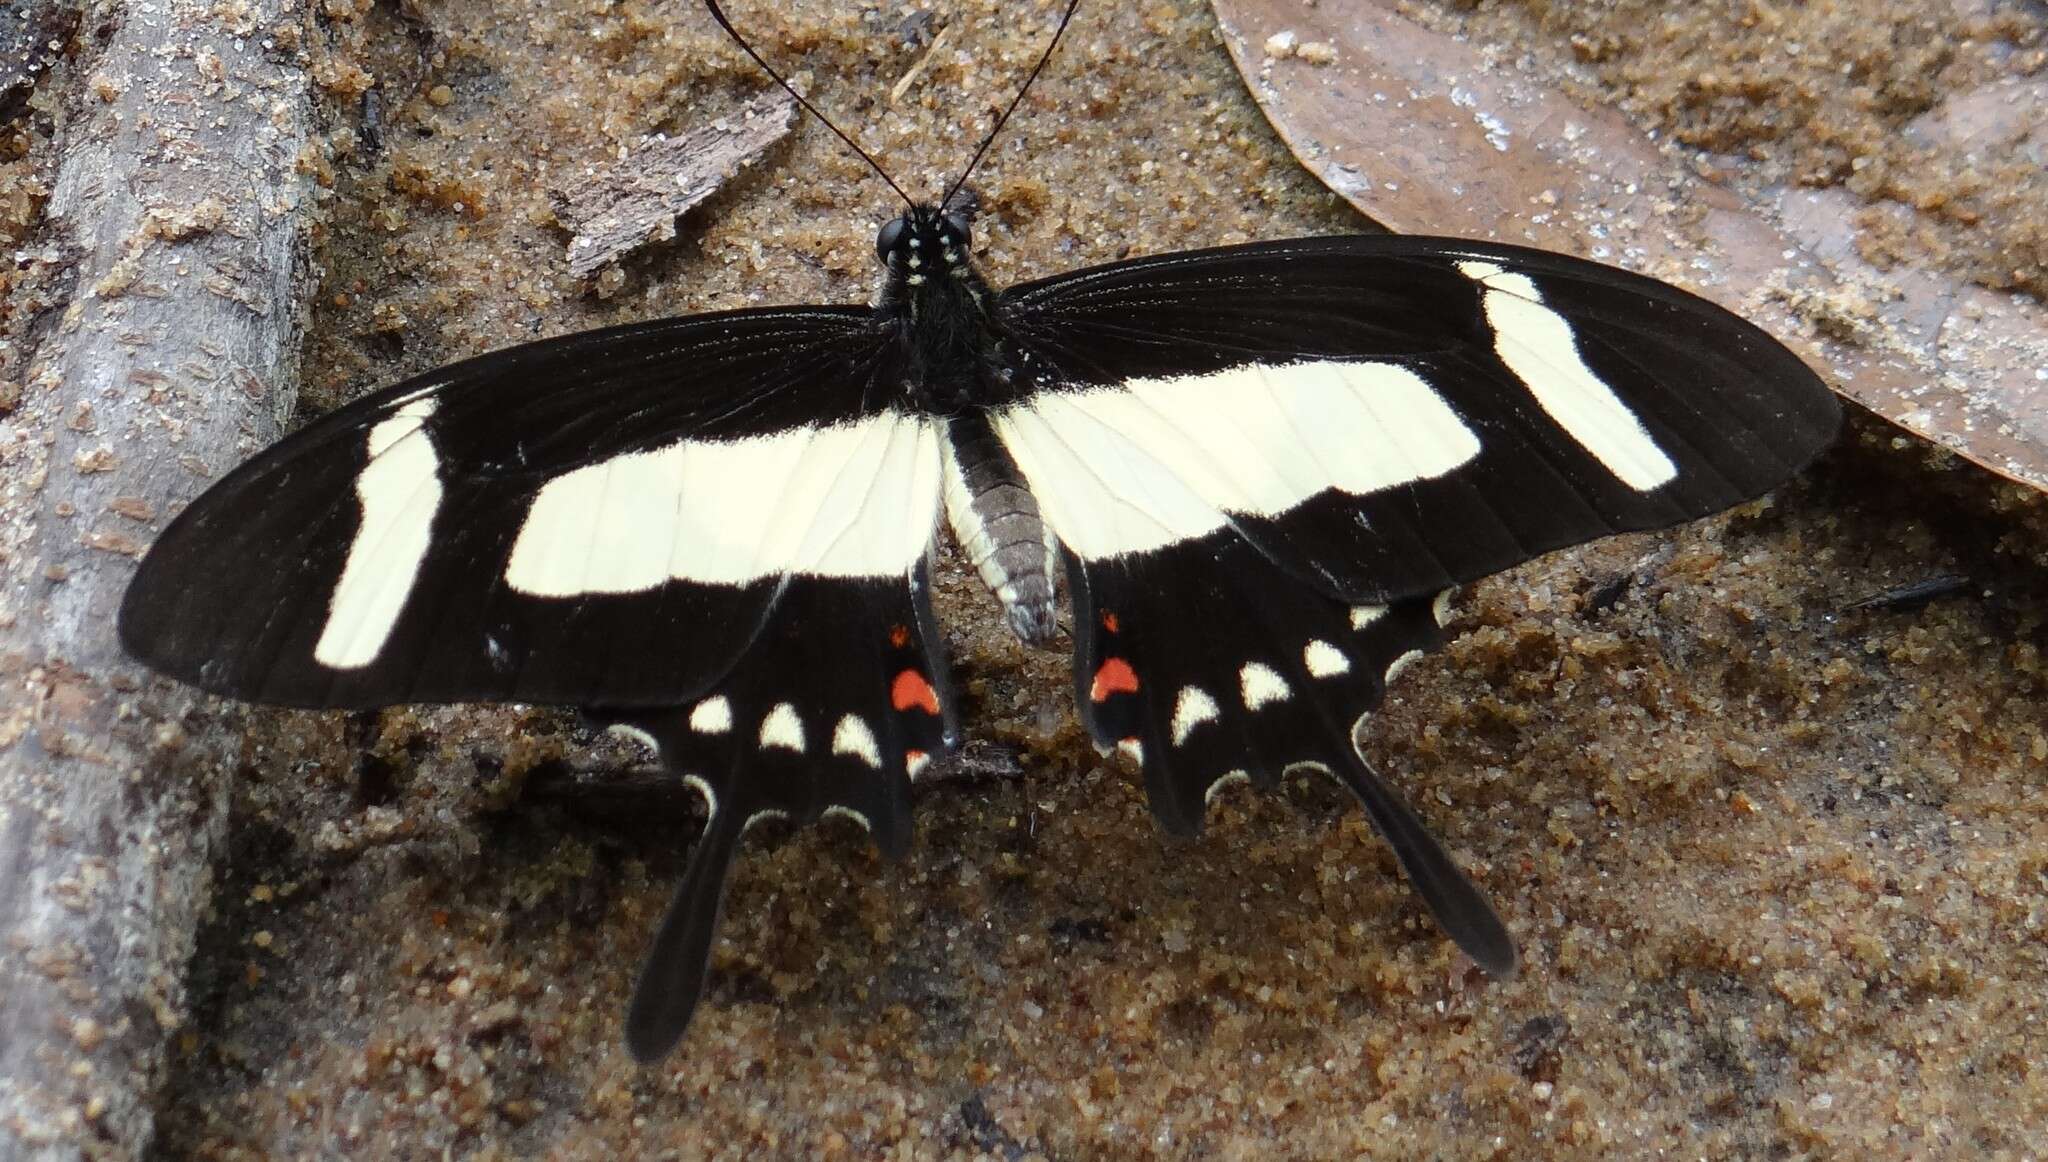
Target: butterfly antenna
x=1065, y=18
x=718, y=14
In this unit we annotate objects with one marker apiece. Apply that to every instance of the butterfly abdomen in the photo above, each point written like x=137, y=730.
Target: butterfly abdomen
x=996, y=521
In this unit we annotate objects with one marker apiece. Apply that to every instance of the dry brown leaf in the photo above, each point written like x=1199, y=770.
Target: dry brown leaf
x=1430, y=135
x=625, y=206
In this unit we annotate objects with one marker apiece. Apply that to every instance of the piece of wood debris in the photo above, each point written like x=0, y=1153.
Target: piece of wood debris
x=637, y=200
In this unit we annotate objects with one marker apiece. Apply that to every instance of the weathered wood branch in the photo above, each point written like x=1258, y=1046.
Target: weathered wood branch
x=178, y=194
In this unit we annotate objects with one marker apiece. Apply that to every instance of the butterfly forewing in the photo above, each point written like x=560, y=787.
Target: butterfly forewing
x=1495, y=403
x=605, y=518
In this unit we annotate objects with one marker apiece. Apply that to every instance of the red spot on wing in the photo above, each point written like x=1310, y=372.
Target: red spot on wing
x=899, y=636
x=910, y=690
x=1109, y=621
x=1114, y=676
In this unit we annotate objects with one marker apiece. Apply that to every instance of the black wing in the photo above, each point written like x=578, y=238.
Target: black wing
x=1208, y=664
x=710, y=529
x=839, y=704
x=253, y=590
x=1731, y=411
x=1264, y=461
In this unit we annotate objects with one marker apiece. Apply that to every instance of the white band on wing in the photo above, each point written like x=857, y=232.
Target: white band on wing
x=1153, y=462
x=849, y=500
x=1538, y=345
x=400, y=491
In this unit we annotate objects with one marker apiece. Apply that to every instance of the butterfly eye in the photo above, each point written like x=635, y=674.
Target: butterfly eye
x=890, y=234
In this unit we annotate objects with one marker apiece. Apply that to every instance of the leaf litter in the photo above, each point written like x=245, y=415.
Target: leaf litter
x=1426, y=133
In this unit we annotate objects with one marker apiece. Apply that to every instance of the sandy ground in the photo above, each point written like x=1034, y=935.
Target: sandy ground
x=1778, y=861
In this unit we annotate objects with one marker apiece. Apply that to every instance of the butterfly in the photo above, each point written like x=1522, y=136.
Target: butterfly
x=1257, y=472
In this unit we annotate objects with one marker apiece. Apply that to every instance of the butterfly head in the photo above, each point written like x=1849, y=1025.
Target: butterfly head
x=927, y=242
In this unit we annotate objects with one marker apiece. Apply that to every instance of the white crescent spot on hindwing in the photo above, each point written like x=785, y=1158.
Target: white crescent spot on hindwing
x=628, y=731
x=1153, y=462
x=847, y=813
x=853, y=738
x=1440, y=608
x=1538, y=345
x=849, y=500
x=1222, y=782
x=1401, y=663
x=1323, y=660
x=711, y=716
x=1260, y=684
x=1191, y=708
x=1364, y=615
x=782, y=728
x=399, y=490
x=697, y=784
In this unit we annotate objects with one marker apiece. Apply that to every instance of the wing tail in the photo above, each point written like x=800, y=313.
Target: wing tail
x=842, y=703
x=1460, y=908
x=672, y=976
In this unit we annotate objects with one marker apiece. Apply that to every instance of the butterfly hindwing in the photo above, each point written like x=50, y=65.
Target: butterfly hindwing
x=1209, y=664
x=1218, y=665
x=839, y=703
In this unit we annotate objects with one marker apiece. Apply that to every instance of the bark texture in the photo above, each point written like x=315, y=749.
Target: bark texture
x=636, y=202
x=179, y=199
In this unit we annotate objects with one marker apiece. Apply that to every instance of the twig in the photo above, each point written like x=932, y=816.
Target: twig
x=178, y=193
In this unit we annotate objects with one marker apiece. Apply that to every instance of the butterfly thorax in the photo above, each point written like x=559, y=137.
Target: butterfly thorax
x=940, y=306
x=954, y=371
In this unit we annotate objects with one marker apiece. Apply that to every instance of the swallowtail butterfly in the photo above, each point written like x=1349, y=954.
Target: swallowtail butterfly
x=1258, y=469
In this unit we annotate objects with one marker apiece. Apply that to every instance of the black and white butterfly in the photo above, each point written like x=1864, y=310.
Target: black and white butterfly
x=1258, y=469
